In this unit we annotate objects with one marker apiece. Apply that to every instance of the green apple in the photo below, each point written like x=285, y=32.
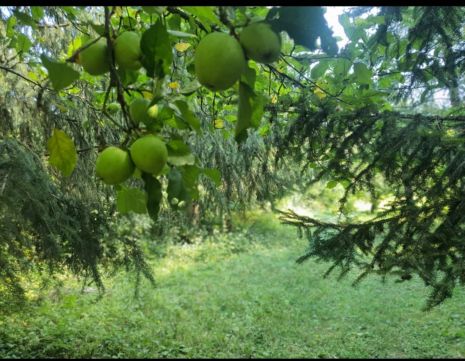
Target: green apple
x=149, y=154
x=261, y=43
x=94, y=59
x=113, y=108
x=219, y=61
x=114, y=165
x=127, y=51
x=138, y=110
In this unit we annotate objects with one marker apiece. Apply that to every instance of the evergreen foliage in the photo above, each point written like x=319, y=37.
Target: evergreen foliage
x=418, y=157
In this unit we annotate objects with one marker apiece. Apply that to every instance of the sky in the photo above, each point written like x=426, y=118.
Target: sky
x=331, y=15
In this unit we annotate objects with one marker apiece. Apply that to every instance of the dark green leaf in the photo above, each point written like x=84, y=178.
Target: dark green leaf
x=190, y=174
x=24, y=19
x=187, y=115
x=156, y=50
x=214, y=174
x=305, y=24
x=250, y=111
x=154, y=194
x=362, y=73
x=176, y=190
x=131, y=200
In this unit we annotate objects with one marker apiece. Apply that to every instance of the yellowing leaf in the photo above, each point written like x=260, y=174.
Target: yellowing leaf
x=218, y=123
x=62, y=151
x=319, y=93
x=318, y=90
x=182, y=47
x=33, y=76
x=147, y=95
x=173, y=85
x=118, y=11
x=74, y=45
x=274, y=99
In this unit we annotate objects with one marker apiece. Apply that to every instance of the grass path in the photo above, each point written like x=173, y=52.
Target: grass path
x=212, y=303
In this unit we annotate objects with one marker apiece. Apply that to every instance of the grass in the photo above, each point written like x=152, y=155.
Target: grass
x=239, y=296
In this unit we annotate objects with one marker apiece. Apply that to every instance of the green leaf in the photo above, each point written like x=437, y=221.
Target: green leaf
x=319, y=69
x=214, y=174
x=190, y=175
x=206, y=14
x=131, y=200
x=176, y=189
x=10, y=26
x=98, y=28
x=179, y=153
x=187, y=115
x=61, y=75
x=37, y=12
x=127, y=77
x=244, y=114
x=190, y=88
x=153, y=9
x=181, y=34
x=249, y=77
x=62, y=151
x=305, y=24
x=250, y=111
x=154, y=195
x=156, y=50
x=21, y=43
x=258, y=108
x=331, y=184
x=362, y=73
x=24, y=19
x=342, y=66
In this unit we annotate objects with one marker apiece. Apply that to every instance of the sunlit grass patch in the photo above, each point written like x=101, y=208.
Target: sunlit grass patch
x=214, y=301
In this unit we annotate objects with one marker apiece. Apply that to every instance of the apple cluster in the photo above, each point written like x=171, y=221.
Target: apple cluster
x=220, y=59
x=94, y=58
x=149, y=153
x=115, y=165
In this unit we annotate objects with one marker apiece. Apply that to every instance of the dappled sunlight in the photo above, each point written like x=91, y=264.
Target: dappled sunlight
x=362, y=205
x=232, y=181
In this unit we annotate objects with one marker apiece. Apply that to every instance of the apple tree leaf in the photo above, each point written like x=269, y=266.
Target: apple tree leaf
x=131, y=200
x=214, y=174
x=157, y=53
x=62, y=151
x=154, y=195
x=187, y=115
x=61, y=75
x=179, y=153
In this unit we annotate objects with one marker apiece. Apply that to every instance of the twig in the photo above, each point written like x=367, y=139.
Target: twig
x=185, y=16
x=72, y=58
x=114, y=78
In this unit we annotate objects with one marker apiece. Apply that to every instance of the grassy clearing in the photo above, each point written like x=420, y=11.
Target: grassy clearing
x=240, y=296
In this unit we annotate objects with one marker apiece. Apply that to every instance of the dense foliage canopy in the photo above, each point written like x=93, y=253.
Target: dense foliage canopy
x=238, y=132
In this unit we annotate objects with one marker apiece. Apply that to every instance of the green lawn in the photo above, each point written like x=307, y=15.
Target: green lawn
x=242, y=299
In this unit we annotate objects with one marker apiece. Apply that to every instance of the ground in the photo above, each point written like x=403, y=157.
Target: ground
x=238, y=296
